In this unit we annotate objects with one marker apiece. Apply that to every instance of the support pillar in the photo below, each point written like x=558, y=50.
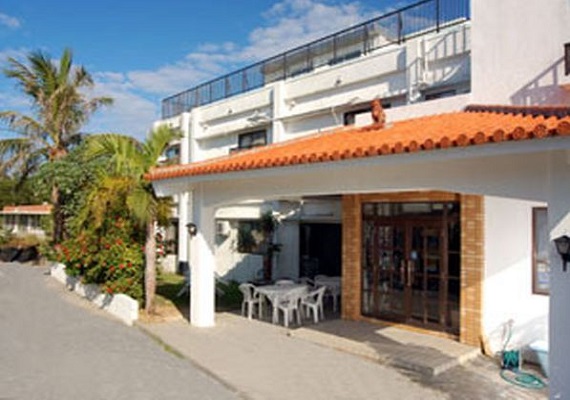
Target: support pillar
x=202, y=263
x=184, y=198
x=559, y=315
x=183, y=239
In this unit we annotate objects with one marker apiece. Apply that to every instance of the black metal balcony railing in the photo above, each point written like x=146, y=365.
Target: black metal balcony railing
x=395, y=27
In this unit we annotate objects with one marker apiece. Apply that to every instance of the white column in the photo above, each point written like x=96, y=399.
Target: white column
x=185, y=141
x=183, y=219
x=413, y=69
x=279, y=111
x=197, y=130
x=184, y=198
x=559, y=224
x=202, y=262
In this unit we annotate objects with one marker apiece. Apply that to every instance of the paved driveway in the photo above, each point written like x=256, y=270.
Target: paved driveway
x=54, y=345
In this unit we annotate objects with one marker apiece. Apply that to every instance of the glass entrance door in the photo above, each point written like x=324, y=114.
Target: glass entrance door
x=405, y=266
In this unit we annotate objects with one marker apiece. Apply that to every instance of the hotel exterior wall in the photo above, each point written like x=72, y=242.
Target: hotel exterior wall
x=315, y=101
x=472, y=255
x=508, y=290
x=501, y=72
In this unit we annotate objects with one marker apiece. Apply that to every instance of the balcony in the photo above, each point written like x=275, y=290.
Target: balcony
x=393, y=28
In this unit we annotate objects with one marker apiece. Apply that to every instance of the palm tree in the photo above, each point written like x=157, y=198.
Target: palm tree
x=59, y=110
x=129, y=161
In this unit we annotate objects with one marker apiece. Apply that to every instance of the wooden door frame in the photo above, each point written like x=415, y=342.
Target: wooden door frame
x=407, y=224
x=471, y=255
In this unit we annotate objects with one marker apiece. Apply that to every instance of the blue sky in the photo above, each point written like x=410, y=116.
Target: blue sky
x=142, y=51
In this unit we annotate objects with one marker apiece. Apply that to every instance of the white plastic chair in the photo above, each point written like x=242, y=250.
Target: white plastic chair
x=314, y=302
x=335, y=294
x=284, y=282
x=307, y=281
x=250, y=299
x=290, y=306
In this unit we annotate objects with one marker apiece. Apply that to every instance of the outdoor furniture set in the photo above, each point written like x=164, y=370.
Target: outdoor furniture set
x=290, y=298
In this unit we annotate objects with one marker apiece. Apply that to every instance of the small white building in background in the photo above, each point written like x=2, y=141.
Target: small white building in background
x=443, y=219
x=25, y=219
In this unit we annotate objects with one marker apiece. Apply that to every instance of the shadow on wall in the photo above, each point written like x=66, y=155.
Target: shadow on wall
x=544, y=88
x=237, y=266
x=249, y=268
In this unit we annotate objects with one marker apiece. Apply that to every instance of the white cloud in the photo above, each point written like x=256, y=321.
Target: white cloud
x=9, y=21
x=289, y=23
x=132, y=113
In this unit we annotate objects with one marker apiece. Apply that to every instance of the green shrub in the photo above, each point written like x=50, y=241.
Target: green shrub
x=111, y=256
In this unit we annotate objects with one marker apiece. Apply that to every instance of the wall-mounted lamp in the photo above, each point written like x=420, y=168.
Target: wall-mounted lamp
x=192, y=228
x=563, y=247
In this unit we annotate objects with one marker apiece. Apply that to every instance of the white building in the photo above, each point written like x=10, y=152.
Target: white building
x=25, y=219
x=443, y=218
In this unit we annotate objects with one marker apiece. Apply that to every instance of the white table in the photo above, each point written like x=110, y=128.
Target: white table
x=277, y=293
x=333, y=285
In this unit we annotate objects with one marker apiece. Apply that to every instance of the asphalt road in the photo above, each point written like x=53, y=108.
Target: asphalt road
x=54, y=345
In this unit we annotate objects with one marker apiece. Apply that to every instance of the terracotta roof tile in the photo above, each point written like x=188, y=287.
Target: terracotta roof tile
x=476, y=125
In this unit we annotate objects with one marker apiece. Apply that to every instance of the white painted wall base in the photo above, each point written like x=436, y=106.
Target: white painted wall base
x=119, y=305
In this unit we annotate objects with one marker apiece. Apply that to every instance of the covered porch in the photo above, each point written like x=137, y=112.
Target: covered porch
x=507, y=154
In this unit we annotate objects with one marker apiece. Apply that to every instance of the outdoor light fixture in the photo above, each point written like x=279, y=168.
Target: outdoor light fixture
x=563, y=247
x=567, y=59
x=192, y=228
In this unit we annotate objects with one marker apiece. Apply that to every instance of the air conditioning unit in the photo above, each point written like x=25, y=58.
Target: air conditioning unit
x=223, y=228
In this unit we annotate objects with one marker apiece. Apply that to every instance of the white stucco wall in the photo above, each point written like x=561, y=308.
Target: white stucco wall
x=517, y=50
x=507, y=291
x=233, y=265
x=316, y=101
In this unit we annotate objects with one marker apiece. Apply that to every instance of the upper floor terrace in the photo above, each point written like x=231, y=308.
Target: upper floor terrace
x=395, y=27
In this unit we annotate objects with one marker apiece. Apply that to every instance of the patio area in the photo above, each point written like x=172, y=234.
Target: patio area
x=335, y=359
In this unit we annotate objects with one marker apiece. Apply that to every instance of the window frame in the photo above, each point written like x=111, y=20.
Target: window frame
x=536, y=287
x=253, y=136
x=253, y=233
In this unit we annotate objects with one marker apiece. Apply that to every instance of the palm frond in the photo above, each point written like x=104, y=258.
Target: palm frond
x=124, y=153
x=164, y=207
x=156, y=143
x=109, y=193
x=142, y=204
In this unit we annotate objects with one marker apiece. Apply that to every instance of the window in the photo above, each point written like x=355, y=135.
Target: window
x=440, y=94
x=250, y=237
x=172, y=154
x=252, y=139
x=540, y=252
x=350, y=116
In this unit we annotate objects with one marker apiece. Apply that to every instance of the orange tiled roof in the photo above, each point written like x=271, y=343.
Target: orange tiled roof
x=476, y=125
x=28, y=209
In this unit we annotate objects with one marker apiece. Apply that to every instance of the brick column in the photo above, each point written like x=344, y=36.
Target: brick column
x=351, y=257
x=472, y=268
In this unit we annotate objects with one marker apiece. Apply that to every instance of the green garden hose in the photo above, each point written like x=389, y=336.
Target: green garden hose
x=522, y=379
x=510, y=368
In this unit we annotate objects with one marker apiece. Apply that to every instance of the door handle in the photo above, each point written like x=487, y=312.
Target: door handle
x=411, y=270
